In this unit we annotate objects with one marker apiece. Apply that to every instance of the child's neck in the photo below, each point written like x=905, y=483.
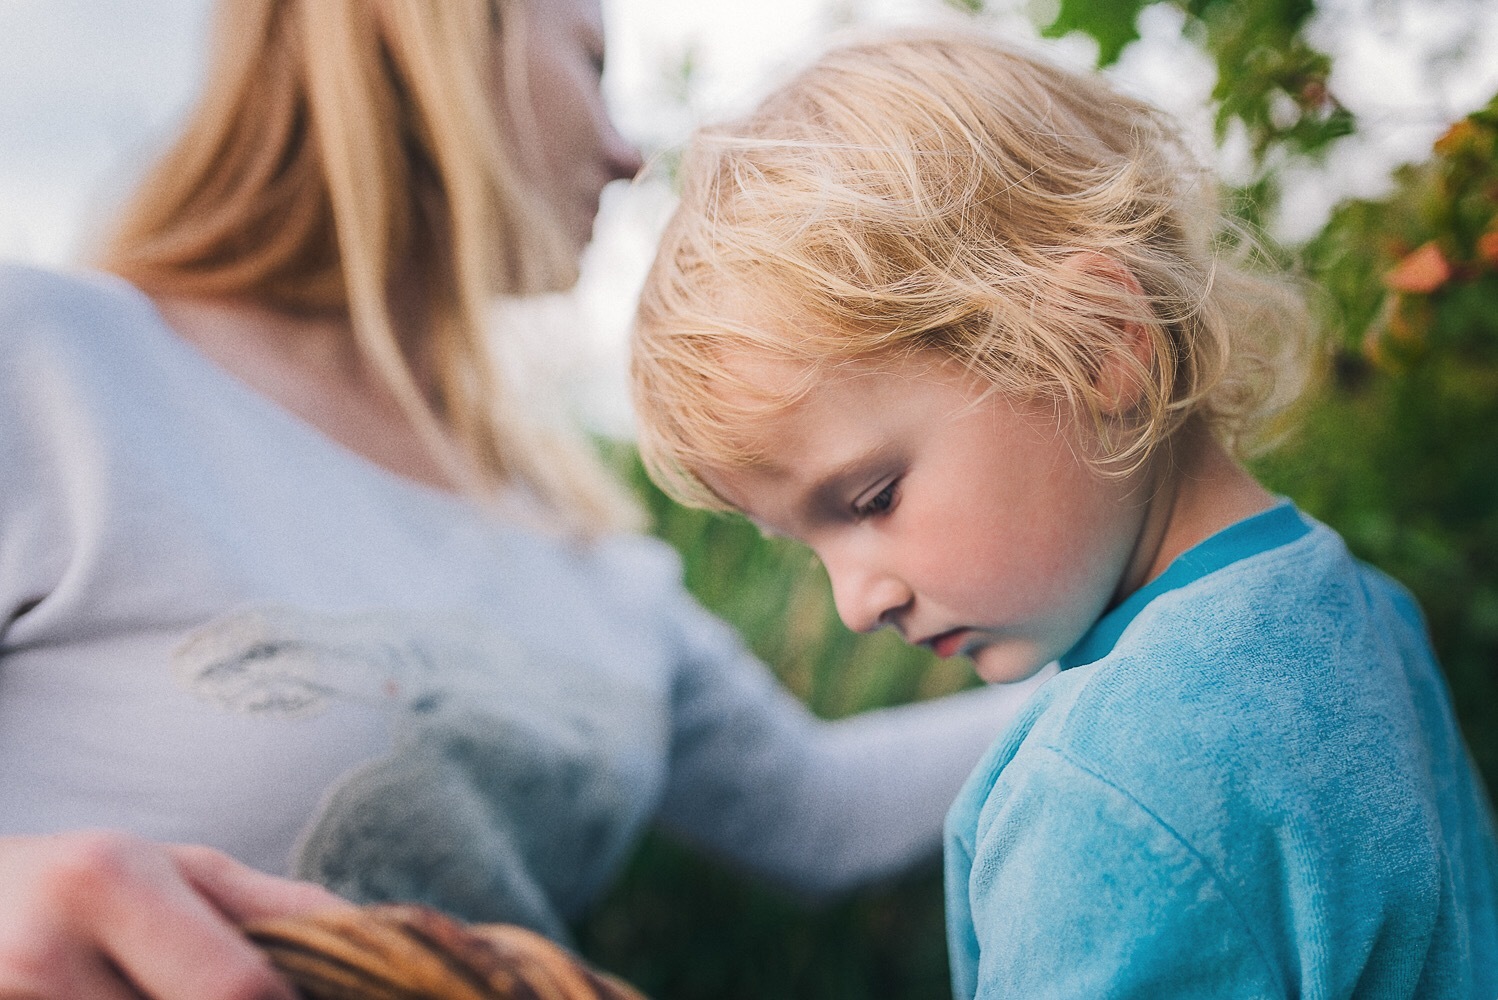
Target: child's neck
x=1198, y=491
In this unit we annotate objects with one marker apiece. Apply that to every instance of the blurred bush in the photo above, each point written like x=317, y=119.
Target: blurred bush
x=1399, y=452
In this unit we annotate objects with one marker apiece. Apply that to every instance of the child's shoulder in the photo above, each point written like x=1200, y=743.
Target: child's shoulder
x=1267, y=750
x=1233, y=667
x=1247, y=690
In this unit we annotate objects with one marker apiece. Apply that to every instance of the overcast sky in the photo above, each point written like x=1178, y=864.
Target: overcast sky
x=89, y=87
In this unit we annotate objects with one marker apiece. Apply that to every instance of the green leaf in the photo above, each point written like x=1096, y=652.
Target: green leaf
x=1112, y=24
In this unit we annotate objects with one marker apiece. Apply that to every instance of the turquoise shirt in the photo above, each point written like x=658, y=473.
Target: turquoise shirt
x=1247, y=781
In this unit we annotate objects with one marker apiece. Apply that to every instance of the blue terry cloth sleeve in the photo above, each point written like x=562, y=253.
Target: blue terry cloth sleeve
x=1062, y=861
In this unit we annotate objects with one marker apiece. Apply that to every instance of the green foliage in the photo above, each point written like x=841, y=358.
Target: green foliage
x=1399, y=452
x=1111, y=24
x=681, y=928
x=1270, y=79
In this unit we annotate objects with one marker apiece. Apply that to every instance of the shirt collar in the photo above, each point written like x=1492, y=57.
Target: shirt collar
x=1269, y=529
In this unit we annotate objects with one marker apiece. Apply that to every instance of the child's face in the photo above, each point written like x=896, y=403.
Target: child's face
x=972, y=524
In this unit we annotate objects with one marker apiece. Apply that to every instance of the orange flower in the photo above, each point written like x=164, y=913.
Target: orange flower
x=1455, y=137
x=1421, y=272
x=1487, y=248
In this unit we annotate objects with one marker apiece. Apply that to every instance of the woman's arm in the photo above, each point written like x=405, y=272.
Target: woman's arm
x=819, y=806
x=106, y=915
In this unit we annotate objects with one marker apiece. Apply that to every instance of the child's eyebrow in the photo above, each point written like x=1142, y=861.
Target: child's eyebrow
x=827, y=493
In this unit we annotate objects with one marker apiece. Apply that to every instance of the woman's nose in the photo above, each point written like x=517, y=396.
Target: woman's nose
x=621, y=157
x=866, y=597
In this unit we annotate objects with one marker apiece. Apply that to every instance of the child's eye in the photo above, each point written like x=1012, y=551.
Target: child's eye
x=881, y=502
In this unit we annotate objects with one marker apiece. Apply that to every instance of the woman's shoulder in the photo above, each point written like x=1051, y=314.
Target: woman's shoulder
x=37, y=302
x=25, y=286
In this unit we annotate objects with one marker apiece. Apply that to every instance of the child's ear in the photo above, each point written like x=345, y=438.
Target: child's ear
x=1122, y=369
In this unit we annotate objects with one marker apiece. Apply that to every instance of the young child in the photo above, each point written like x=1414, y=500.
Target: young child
x=962, y=322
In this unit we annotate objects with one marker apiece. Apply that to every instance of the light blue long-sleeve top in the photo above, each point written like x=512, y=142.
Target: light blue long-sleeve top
x=220, y=626
x=1246, y=782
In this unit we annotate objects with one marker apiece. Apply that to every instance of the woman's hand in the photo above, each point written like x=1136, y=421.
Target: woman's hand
x=111, y=916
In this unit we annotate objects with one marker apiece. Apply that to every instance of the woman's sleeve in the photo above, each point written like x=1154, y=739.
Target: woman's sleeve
x=818, y=806
x=33, y=416
x=1078, y=891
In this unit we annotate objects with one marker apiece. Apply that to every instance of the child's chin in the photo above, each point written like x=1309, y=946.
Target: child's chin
x=1004, y=664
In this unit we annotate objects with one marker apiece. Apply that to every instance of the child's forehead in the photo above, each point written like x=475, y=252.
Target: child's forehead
x=780, y=407
x=760, y=395
x=766, y=380
x=778, y=350
x=768, y=355
x=761, y=312
x=780, y=399
x=771, y=388
x=858, y=418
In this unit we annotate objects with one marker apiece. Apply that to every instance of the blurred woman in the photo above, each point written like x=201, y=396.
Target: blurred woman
x=286, y=574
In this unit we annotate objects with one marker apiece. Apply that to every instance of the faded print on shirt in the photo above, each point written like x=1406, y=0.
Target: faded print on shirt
x=505, y=796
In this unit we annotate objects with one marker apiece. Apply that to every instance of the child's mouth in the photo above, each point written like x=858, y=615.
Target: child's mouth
x=949, y=643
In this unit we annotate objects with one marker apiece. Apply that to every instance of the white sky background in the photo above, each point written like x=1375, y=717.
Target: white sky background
x=88, y=87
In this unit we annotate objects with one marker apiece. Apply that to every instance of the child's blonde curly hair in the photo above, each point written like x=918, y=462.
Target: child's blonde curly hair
x=948, y=193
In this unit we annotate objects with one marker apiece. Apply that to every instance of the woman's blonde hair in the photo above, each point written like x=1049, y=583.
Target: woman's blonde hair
x=343, y=149
x=936, y=191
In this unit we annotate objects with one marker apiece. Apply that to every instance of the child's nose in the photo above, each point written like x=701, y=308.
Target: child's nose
x=867, y=598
